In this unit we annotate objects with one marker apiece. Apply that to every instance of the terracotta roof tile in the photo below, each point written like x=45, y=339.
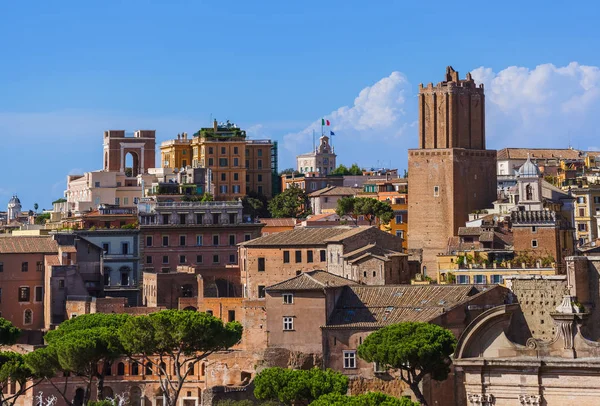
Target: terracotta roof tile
x=469, y=231
x=52, y=260
x=378, y=306
x=27, y=245
x=305, y=236
x=538, y=153
x=336, y=191
x=285, y=222
x=313, y=280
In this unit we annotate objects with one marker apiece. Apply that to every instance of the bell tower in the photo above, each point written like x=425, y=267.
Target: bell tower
x=452, y=173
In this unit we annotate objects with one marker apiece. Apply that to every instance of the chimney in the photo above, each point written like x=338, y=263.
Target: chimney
x=215, y=126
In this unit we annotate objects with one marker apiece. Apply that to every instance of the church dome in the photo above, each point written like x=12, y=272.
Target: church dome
x=14, y=200
x=529, y=170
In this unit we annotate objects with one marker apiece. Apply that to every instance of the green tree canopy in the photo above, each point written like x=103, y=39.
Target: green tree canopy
x=414, y=348
x=298, y=387
x=255, y=205
x=367, y=399
x=341, y=170
x=183, y=337
x=79, y=346
x=345, y=171
x=8, y=333
x=12, y=366
x=14, y=369
x=355, y=170
x=292, y=202
x=368, y=207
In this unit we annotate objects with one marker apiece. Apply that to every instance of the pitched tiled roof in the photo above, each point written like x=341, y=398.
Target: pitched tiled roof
x=285, y=222
x=538, y=153
x=53, y=260
x=312, y=280
x=486, y=236
x=305, y=236
x=377, y=306
x=336, y=191
x=68, y=248
x=27, y=245
x=371, y=250
x=469, y=231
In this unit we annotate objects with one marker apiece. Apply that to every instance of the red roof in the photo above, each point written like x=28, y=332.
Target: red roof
x=283, y=222
x=27, y=245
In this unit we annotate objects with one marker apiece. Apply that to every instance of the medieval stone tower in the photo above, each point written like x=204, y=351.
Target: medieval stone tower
x=141, y=147
x=451, y=174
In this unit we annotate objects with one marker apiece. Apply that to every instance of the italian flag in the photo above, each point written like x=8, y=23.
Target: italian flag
x=324, y=122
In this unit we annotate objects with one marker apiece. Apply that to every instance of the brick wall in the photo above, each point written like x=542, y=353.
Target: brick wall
x=445, y=186
x=276, y=270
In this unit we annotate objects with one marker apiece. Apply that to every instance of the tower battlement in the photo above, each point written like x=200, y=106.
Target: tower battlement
x=452, y=113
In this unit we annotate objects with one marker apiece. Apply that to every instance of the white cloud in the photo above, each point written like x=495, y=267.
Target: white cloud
x=545, y=106
x=382, y=114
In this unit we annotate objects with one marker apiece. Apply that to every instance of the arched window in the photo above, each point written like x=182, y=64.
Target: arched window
x=162, y=367
x=120, y=369
x=135, y=368
x=529, y=192
x=135, y=396
x=27, y=317
x=148, y=368
x=107, y=392
x=191, y=369
x=79, y=396
x=132, y=164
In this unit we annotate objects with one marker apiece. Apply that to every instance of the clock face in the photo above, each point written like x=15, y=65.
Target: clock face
x=325, y=161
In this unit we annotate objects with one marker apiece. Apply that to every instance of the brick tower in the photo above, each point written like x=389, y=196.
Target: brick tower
x=451, y=174
x=141, y=147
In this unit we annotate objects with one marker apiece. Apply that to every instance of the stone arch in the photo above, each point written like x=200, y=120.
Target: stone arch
x=224, y=288
x=120, y=369
x=79, y=396
x=107, y=392
x=135, y=396
x=191, y=308
x=132, y=164
x=135, y=368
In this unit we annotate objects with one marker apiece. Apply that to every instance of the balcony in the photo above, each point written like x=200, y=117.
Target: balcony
x=117, y=257
x=197, y=205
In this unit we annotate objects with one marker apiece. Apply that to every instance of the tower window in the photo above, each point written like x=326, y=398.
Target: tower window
x=436, y=191
x=534, y=243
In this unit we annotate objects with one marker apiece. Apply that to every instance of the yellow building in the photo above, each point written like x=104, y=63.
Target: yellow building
x=473, y=268
x=239, y=166
x=395, y=192
x=587, y=213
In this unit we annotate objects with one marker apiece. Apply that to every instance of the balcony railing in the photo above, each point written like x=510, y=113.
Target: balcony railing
x=193, y=205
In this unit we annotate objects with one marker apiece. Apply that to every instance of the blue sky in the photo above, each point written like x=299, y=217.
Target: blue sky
x=71, y=69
